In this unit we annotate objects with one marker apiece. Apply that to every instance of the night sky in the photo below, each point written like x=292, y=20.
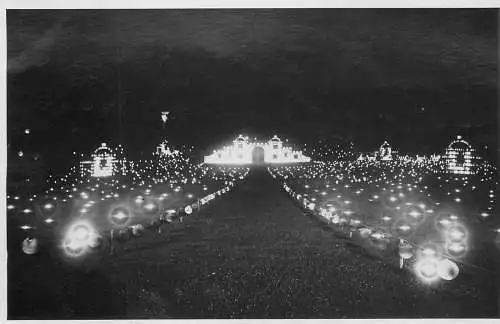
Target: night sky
x=412, y=76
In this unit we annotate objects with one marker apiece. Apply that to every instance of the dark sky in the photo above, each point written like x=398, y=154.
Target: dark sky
x=362, y=74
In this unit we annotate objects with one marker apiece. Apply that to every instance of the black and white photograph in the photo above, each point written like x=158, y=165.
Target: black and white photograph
x=252, y=163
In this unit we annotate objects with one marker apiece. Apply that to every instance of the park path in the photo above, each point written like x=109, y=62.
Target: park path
x=251, y=253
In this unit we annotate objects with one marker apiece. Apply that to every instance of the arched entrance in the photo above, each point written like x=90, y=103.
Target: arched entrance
x=258, y=155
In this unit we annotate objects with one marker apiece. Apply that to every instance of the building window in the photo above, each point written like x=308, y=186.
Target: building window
x=240, y=146
x=219, y=155
x=296, y=156
x=286, y=155
x=275, y=156
x=240, y=156
x=275, y=146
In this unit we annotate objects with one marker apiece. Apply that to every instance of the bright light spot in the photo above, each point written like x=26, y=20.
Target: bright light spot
x=119, y=216
x=26, y=227
x=49, y=221
x=79, y=238
x=456, y=234
x=30, y=246
x=10, y=207
x=48, y=206
x=150, y=206
x=448, y=270
x=27, y=211
x=427, y=269
x=81, y=232
x=456, y=249
x=405, y=227
x=188, y=210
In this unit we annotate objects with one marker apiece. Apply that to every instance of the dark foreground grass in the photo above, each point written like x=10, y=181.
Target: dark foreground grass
x=252, y=254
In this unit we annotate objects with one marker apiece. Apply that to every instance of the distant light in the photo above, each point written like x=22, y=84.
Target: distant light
x=48, y=206
x=27, y=131
x=20, y=153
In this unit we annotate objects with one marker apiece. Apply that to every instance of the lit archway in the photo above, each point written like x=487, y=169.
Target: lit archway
x=258, y=154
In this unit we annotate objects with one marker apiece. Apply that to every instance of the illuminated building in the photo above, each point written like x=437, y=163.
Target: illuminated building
x=164, y=150
x=102, y=163
x=242, y=151
x=459, y=157
x=385, y=152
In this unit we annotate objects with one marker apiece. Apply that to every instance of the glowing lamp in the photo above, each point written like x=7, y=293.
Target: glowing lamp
x=456, y=233
x=448, y=270
x=120, y=216
x=456, y=249
x=150, y=207
x=405, y=250
x=188, y=210
x=139, y=200
x=48, y=206
x=30, y=246
x=427, y=269
x=81, y=232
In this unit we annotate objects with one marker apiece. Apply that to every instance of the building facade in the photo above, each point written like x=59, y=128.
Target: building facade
x=243, y=151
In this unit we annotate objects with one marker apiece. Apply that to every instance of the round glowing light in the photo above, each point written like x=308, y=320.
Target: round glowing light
x=150, y=206
x=30, y=245
x=49, y=221
x=456, y=232
x=81, y=232
x=456, y=249
x=188, y=210
x=120, y=216
x=48, y=206
x=415, y=214
x=427, y=269
x=404, y=228
x=448, y=270
x=10, y=207
x=20, y=153
x=429, y=250
x=27, y=131
x=27, y=211
x=311, y=206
